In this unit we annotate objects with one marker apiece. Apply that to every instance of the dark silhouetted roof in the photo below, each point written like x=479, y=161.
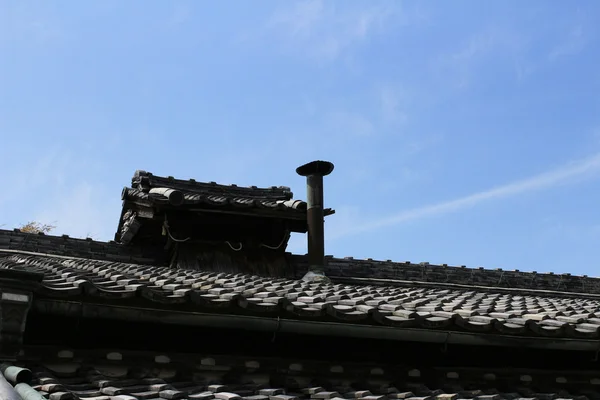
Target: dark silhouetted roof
x=115, y=375
x=400, y=304
x=150, y=194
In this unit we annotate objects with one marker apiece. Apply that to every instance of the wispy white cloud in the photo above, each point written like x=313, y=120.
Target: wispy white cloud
x=323, y=31
x=563, y=175
x=36, y=169
x=181, y=13
x=476, y=46
x=392, y=102
x=560, y=228
x=573, y=43
x=512, y=47
x=458, y=65
x=48, y=187
x=342, y=223
x=82, y=211
x=595, y=134
x=524, y=68
x=29, y=24
x=349, y=124
x=380, y=111
x=493, y=44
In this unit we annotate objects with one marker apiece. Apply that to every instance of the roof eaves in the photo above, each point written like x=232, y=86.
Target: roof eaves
x=448, y=285
x=146, y=180
x=268, y=324
x=369, y=269
x=17, y=242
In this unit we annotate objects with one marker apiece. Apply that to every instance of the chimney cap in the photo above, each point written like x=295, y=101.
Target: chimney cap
x=315, y=168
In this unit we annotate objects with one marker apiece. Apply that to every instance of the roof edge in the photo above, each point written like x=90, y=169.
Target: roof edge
x=64, y=246
x=446, y=285
x=376, y=281
x=266, y=324
x=350, y=267
x=282, y=192
x=369, y=270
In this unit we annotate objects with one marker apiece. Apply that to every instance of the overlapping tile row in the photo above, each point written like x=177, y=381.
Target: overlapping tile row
x=337, y=268
x=425, y=272
x=214, y=199
x=212, y=194
x=401, y=307
x=74, y=247
x=117, y=376
x=145, y=181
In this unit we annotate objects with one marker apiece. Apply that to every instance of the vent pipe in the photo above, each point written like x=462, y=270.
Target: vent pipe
x=314, y=173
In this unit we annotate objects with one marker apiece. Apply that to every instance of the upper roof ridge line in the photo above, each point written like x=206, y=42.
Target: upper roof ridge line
x=427, y=265
x=330, y=257
x=280, y=190
x=34, y=253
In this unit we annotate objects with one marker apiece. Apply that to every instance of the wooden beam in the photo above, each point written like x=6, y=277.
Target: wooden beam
x=258, y=213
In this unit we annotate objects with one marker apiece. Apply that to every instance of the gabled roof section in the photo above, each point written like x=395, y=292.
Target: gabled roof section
x=108, y=374
x=211, y=192
x=398, y=310
x=150, y=195
x=399, y=301
x=155, y=190
x=66, y=246
x=378, y=272
x=347, y=269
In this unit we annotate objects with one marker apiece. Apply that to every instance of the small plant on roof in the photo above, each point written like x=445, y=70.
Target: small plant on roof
x=36, y=227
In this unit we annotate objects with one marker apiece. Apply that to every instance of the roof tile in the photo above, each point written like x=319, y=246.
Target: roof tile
x=401, y=307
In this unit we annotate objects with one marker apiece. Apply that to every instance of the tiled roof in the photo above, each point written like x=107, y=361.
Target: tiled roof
x=387, y=272
x=151, y=196
x=217, y=199
x=211, y=194
x=408, y=306
x=357, y=271
x=123, y=376
x=143, y=180
x=74, y=247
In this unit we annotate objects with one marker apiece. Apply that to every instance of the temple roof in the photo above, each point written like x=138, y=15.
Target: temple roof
x=150, y=194
x=121, y=375
x=407, y=307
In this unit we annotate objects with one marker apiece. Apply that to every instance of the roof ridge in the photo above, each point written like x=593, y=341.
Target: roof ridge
x=351, y=279
x=60, y=236
x=349, y=267
x=71, y=247
x=465, y=314
x=467, y=287
x=383, y=378
x=143, y=178
x=340, y=268
x=329, y=257
x=427, y=264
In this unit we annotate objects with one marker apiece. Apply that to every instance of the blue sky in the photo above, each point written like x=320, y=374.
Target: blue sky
x=462, y=132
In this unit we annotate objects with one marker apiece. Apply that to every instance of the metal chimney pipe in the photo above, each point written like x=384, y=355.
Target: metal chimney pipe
x=314, y=172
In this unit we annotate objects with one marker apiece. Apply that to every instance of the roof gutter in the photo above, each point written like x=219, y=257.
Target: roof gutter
x=264, y=324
